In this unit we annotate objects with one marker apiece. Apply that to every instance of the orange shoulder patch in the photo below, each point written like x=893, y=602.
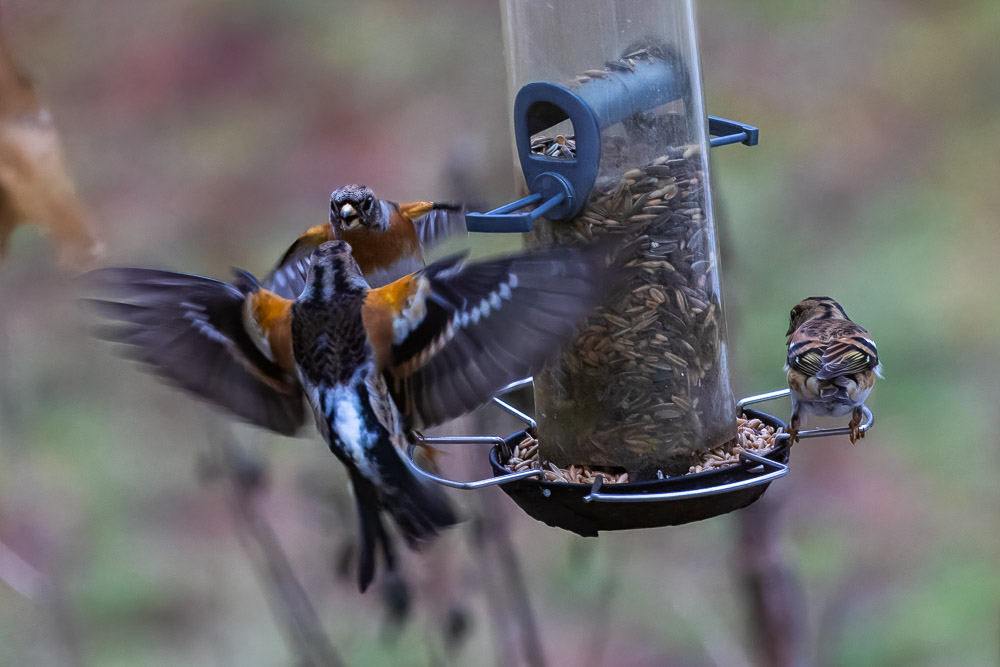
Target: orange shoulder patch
x=396, y=295
x=388, y=308
x=311, y=239
x=272, y=316
x=416, y=209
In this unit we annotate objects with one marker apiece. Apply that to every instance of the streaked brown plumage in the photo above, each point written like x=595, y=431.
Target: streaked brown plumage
x=387, y=238
x=374, y=364
x=831, y=365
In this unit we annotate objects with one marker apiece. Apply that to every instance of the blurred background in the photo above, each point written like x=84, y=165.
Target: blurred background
x=208, y=133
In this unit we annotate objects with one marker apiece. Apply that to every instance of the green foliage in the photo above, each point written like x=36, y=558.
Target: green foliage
x=946, y=617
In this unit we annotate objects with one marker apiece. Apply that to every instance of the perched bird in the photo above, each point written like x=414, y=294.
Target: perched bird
x=831, y=366
x=373, y=364
x=386, y=237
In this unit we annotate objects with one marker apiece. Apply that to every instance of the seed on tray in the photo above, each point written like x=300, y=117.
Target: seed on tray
x=753, y=436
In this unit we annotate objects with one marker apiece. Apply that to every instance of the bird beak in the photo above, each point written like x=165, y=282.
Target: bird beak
x=790, y=330
x=350, y=216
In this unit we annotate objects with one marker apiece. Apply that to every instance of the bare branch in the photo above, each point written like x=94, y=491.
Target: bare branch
x=292, y=608
x=21, y=576
x=774, y=599
x=600, y=618
x=498, y=554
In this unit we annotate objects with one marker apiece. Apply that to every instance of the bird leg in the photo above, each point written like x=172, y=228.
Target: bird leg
x=793, y=427
x=855, y=424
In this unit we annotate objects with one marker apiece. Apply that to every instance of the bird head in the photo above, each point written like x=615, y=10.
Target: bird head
x=812, y=308
x=333, y=270
x=354, y=206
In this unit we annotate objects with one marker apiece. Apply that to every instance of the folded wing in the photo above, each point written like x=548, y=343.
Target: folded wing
x=828, y=350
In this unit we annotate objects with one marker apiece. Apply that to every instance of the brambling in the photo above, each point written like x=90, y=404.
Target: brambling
x=831, y=366
x=387, y=238
x=373, y=364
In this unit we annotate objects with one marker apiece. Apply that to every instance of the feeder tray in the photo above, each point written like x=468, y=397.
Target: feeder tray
x=586, y=509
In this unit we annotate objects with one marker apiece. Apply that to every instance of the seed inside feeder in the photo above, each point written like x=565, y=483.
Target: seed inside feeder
x=645, y=384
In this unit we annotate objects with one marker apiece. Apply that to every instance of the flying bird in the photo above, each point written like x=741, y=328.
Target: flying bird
x=387, y=238
x=373, y=364
x=831, y=366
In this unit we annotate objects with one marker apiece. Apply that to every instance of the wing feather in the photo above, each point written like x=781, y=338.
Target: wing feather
x=189, y=330
x=827, y=349
x=845, y=358
x=435, y=221
x=483, y=325
x=288, y=278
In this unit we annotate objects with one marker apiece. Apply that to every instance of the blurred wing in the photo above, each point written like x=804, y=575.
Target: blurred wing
x=450, y=336
x=435, y=221
x=190, y=331
x=288, y=278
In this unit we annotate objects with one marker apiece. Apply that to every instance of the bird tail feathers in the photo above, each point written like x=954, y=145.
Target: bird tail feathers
x=372, y=531
x=419, y=510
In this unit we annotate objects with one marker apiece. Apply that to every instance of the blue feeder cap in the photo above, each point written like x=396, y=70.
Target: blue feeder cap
x=560, y=186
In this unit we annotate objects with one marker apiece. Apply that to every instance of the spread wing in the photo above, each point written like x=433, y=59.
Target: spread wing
x=288, y=278
x=828, y=349
x=191, y=331
x=450, y=336
x=435, y=221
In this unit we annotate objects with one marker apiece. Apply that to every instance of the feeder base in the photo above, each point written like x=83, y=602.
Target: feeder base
x=563, y=505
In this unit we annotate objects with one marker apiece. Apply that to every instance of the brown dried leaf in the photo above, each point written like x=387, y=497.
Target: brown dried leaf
x=35, y=187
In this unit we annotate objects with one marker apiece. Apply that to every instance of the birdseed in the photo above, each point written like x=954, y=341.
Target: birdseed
x=752, y=435
x=645, y=386
x=645, y=383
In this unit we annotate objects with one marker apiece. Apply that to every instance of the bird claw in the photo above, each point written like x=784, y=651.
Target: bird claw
x=855, y=425
x=793, y=428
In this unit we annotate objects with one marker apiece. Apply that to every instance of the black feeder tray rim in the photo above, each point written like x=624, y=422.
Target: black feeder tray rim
x=775, y=469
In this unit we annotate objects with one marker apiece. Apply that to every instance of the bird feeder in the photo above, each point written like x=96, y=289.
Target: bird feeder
x=613, y=140
x=609, y=124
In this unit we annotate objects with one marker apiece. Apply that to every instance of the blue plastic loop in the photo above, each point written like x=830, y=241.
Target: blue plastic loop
x=511, y=217
x=560, y=186
x=591, y=106
x=725, y=132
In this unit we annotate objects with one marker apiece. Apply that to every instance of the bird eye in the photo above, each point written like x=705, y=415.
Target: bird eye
x=369, y=200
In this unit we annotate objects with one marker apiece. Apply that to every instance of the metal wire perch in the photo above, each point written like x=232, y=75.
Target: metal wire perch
x=811, y=433
x=764, y=472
